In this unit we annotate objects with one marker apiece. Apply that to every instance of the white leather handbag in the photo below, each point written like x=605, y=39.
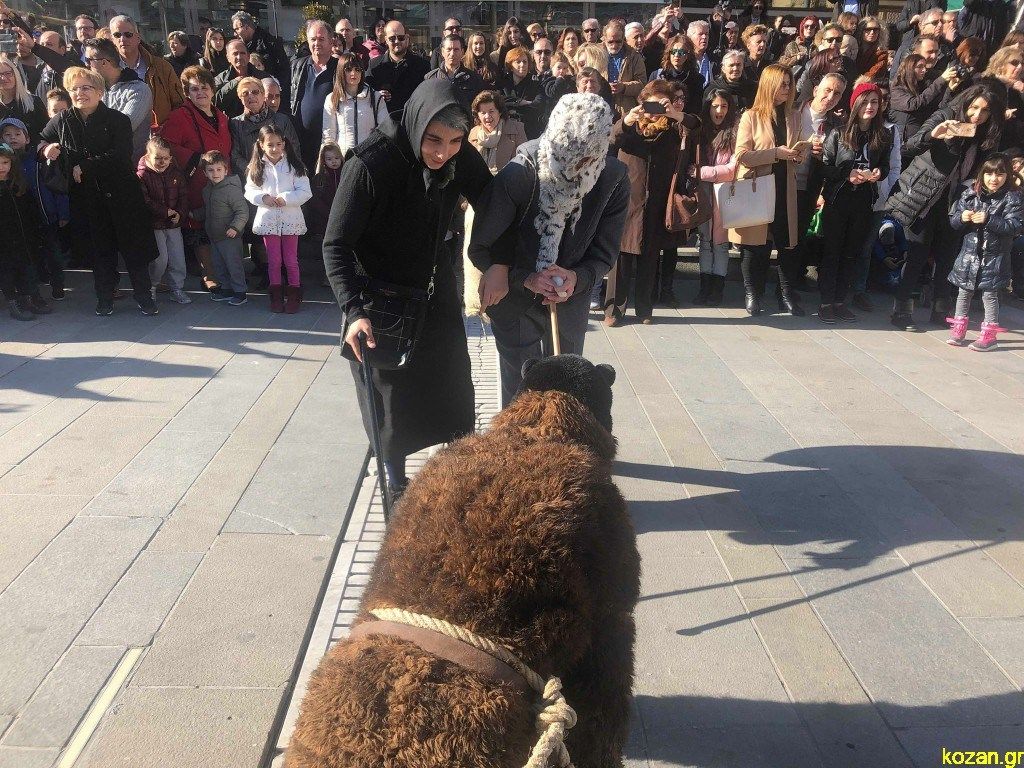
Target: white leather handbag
x=746, y=202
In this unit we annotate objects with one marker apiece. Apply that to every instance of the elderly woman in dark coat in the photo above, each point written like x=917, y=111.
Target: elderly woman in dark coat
x=413, y=172
x=245, y=128
x=649, y=146
x=94, y=146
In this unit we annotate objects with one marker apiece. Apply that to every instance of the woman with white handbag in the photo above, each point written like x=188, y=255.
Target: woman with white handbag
x=759, y=206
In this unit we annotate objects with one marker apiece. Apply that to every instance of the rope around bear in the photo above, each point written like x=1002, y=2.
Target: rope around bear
x=555, y=716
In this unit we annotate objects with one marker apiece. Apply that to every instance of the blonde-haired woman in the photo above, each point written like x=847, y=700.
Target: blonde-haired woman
x=15, y=99
x=767, y=131
x=93, y=145
x=594, y=56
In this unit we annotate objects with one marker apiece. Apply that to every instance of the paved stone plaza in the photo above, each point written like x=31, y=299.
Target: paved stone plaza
x=831, y=521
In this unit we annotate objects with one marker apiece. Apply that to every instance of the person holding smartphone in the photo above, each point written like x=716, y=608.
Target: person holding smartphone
x=647, y=141
x=855, y=158
x=942, y=159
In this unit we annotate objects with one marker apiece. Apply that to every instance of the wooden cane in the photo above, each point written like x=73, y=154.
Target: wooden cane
x=556, y=342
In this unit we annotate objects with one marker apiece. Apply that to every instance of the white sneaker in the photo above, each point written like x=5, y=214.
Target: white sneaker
x=181, y=297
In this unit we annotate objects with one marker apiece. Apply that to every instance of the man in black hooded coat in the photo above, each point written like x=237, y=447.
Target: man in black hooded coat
x=388, y=222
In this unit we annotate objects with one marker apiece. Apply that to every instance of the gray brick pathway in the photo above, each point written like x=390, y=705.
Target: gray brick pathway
x=830, y=520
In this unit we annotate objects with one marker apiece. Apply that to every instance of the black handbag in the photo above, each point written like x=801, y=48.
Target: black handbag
x=53, y=177
x=396, y=314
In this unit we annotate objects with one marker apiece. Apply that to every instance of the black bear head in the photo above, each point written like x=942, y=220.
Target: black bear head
x=590, y=384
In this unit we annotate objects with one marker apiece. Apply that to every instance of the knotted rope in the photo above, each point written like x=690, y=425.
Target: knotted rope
x=554, y=717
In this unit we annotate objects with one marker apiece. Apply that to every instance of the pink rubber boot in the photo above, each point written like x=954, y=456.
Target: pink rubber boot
x=987, y=340
x=957, y=330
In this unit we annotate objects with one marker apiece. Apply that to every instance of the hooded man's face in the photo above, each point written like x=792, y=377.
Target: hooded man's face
x=440, y=143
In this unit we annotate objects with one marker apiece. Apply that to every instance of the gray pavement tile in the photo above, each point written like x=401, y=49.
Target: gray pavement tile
x=847, y=727
x=1003, y=638
x=741, y=432
x=699, y=650
x=926, y=745
x=913, y=658
x=5, y=721
x=92, y=451
x=159, y=475
x=263, y=423
x=220, y=405
x=261, y=589
x=62, y=700
x=18, y=757
x=134, y=610
x=199, y=516
x=41, y=613
x=197, y=727
x=328, y=413
x=670, y=743
x=301, y=489
x=22, y=439
x=27, y=525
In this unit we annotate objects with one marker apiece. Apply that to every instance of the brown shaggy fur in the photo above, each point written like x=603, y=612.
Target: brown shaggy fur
x=519, y=535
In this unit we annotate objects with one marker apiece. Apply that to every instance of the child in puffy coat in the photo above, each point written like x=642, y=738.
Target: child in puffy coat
x=277, y=184
x=989, y=212
x=166, y=194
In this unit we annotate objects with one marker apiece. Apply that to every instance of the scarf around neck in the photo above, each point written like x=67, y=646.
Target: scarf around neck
x=489, y=145
x=579, y=127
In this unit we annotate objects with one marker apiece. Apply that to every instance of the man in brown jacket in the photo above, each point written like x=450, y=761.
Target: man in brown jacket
x=626, y=70
x=154, y=70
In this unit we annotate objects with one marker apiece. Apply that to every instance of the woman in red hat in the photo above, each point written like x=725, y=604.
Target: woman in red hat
x=855, y=159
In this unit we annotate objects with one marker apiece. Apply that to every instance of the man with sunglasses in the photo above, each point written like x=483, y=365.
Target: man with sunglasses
x=154, y=71
x=909, y=22
x=452, y=26
x=627, y=72
x=467, y=83
x=591, y=31
x=125, y=93
x=396, y=74
x=929, y=25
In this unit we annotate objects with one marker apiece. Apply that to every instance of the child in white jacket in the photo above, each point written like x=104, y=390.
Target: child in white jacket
x=277, y=184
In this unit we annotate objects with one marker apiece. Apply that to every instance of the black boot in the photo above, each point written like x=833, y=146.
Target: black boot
x=789, y=303
x=667, y=298
x=717, y=288
x=753, y=282
x=903, y=315
x=753, y=301
x=701, y=299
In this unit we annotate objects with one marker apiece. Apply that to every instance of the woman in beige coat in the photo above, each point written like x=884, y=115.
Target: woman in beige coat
x=496, y=137
x=767, y=131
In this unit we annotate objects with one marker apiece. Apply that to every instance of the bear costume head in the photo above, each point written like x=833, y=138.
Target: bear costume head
x=576, y=376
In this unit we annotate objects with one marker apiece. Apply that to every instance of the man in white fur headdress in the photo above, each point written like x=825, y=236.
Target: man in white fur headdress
x=566, y=201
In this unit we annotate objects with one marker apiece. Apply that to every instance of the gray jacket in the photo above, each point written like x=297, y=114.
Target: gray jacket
x=224, y=207
x=512, y=201
x=132, y=97
x=244, y=133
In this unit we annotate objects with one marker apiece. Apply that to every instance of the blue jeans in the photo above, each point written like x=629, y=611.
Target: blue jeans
x=714, y=257
x=863, y=265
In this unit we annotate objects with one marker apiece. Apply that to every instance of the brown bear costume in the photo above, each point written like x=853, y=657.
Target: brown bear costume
x=518, y=535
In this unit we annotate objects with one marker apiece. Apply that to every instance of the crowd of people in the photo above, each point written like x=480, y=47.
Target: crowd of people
x=892, y=151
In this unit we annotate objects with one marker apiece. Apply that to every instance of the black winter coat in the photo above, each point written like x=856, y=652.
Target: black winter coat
x=382, y=183
x=21, y=226
x=984, y=260
x=910, y=110
x=934, y=174
x=270, y=49
x=693, y=85
x=838, y=160
x=398, y=77
x=987, y=19
x=912, y=8
x=109, y=197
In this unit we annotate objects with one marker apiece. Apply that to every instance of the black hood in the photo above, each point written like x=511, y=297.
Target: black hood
x=429, y=98
x=129, y=75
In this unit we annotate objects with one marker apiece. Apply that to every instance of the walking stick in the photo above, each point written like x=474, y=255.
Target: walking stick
x=556, y=342
x=382, y=479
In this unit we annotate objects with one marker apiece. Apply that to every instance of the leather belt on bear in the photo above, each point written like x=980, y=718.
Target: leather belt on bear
x=448, y=648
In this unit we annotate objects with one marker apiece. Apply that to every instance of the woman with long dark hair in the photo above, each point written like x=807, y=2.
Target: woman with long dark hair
x=910, y=103
x=719, y=123
x=763, y=147
x=215, y=58
x=478, y=58
x=872, y=48
x=944, y=154
x=854, y=160
x=352, y=109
